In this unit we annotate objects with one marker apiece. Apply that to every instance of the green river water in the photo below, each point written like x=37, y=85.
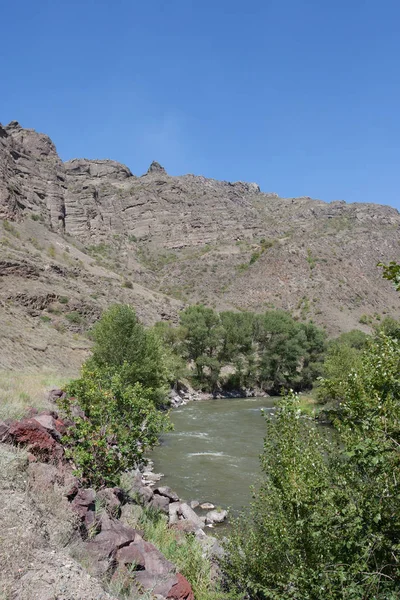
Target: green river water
x=213, y=453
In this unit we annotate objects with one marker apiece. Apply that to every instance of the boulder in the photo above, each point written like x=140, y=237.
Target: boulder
x=194, y=504
x=182, y=590
x=55, y=395
x=49, y=423
x=84, y=506
x=173, y=511
x=160, y=503
x=207, y=506
x=39, y=441
x=166, y=491
x=189, y=514
x=145, y=494
x=111, y=499
x=185, y=526
x=102, y=549
x=216, y=516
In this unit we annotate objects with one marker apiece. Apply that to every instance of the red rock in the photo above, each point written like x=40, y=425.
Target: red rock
x=38, y=440
x=182, y=590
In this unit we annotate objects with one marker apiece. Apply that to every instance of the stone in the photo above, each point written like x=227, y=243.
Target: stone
x=102, y=549
x=194, y=504
x=30, y=433
x=160, y=503
x=166, y=491
x=155, y=167
x=145, y=495
x=131, y=514
x=173, y=511
x=49, y=423
x=207, y=506
x=84, y=506
x=55, y=395
x=111, y=499
x=185, y=526
x=189, y=514
x=182, y=590
x=216, y=516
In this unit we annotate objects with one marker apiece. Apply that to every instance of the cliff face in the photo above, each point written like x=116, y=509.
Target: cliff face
x=118, y=237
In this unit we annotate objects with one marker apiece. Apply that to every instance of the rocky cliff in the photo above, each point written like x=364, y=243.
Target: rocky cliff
x=91, y=232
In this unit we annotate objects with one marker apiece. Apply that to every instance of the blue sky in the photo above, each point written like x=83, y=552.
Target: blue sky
x=300, y=96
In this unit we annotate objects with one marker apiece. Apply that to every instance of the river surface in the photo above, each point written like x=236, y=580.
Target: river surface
x=213, y=453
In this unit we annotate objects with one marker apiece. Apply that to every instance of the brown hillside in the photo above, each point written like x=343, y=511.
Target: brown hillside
x=79, y=235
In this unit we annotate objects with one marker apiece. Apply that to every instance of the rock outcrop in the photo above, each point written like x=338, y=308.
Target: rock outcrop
x=191, y=238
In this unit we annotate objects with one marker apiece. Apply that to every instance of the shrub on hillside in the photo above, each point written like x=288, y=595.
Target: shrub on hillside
x=119, y=423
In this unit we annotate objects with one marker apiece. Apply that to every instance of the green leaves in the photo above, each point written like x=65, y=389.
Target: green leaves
x=120, y=422
x=325, y=521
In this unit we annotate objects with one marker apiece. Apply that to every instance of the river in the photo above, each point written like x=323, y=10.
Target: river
x=213, y=453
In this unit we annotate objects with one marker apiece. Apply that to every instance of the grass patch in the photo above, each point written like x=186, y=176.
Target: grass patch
x=74, y=317
x=19, y=391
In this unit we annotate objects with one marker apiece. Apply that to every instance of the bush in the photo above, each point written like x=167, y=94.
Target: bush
x=63, y=300
x=120, y=423
x=325, y=521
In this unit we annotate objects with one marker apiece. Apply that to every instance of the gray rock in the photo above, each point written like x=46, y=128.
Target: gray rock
x=173, y=510
x=216, y=516
x=189, y=514
x=207, y=506
x=160, y=503
x=167, y=492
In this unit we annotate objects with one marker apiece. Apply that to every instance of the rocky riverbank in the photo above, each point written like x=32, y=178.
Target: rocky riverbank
x=105, y=524
x=183, y=393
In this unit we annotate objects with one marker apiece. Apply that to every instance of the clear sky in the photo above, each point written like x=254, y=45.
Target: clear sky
x=300, y=96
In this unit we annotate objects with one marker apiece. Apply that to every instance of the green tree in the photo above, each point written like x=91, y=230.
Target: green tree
x=325, y=521
x=116, y=424
x=121, y=341
x=202, y=339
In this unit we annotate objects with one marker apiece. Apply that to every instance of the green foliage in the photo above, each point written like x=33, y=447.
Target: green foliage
x=119, y=424
x=344, y=354
x=391, y=272
x=270, y=350
x=202, y=333
x=127, y=284
x=63, y=300
x=121, y=341
x=325, y=521
x=389, y=326
x=51, y=251
x=35, y=217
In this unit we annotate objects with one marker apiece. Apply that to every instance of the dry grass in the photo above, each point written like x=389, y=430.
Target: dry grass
x=19, y=390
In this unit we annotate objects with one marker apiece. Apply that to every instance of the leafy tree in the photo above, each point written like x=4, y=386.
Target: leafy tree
x=121, y=341
x=118, y=424
x=202, y=340
x=325, y=521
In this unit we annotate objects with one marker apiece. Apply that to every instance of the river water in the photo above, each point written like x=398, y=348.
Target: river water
x=213, y=453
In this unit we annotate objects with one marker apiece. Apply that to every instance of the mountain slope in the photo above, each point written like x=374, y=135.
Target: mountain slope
x=92, y=232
